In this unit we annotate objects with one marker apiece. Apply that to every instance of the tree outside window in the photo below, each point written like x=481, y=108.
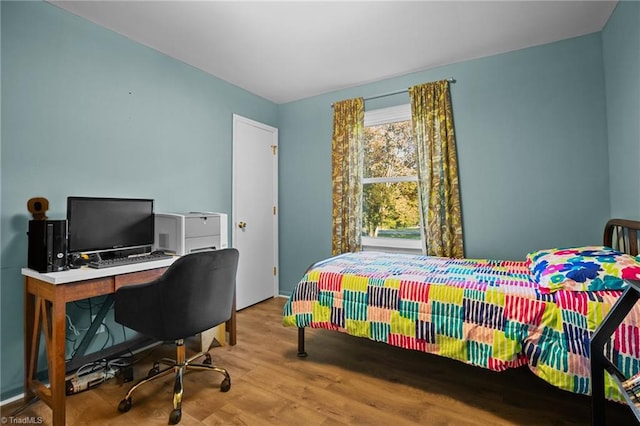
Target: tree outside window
x=390, y=193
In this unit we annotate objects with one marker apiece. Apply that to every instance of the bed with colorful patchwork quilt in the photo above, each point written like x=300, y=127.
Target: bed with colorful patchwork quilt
x=493, y=314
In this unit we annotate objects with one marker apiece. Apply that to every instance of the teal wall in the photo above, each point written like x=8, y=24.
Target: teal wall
x=532, y=146
x=621, y=47
x=86, y=111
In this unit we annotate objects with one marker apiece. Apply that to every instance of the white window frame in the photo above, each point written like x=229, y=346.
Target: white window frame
x=374, y=118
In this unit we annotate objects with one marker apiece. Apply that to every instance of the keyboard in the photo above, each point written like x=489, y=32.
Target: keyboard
x=120, y=261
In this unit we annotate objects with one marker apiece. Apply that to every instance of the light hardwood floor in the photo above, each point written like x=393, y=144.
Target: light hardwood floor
x=344, y=381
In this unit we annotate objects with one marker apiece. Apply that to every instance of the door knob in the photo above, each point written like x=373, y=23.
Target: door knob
x=242, y=225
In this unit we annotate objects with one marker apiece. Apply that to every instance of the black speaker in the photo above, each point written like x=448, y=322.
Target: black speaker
x=47, y=245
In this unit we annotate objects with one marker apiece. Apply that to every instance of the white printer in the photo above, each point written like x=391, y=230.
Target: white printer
x=190, y=232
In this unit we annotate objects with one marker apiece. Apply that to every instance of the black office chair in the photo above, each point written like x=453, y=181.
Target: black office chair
x=193, y=295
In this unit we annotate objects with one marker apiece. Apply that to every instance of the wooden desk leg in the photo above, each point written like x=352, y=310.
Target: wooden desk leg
x=30, y=343
x=48, y=317
x=230, y=325
x=55, y=353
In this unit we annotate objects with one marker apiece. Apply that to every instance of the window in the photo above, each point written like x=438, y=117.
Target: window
x=390, y=210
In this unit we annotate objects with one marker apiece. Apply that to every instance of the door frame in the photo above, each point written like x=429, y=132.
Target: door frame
x=237, y=119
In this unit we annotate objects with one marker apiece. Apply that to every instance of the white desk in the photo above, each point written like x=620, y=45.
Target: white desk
x=85, y=273
x=46, y=296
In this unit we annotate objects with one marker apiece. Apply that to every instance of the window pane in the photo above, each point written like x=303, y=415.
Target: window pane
x=389, y=150
x=390, y=210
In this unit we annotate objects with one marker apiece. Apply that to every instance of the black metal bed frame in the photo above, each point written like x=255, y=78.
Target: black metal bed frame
x=600, y=363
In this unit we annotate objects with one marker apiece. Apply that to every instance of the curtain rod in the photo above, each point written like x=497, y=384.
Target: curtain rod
x=397, y=92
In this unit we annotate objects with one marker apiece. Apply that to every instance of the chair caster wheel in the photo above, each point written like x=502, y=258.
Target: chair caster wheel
x=125, y=405
x=225, y=385
x=175, y=416
x=207, y=359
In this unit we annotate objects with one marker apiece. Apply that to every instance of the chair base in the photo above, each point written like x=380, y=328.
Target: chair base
x=180, y=365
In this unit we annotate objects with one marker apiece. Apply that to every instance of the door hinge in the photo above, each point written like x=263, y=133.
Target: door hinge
x=274, y=149
x=274, y=210
x=274, y=271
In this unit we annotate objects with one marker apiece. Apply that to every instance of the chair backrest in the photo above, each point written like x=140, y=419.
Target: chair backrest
x=197, y=291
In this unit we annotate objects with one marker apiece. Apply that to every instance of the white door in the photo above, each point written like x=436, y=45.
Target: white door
x=254, y=216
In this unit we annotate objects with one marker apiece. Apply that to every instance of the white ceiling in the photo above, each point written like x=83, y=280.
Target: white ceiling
x=285, y=51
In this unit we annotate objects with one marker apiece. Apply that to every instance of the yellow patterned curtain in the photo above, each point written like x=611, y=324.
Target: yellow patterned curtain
x=437, y=169
x=346, y=174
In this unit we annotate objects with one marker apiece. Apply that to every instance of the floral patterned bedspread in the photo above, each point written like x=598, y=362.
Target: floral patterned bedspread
x=487, y=313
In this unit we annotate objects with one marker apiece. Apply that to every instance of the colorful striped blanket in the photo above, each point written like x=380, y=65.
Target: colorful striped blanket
x=487, y=313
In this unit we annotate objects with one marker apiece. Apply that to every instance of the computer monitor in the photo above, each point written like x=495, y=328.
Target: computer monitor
x=109, y=224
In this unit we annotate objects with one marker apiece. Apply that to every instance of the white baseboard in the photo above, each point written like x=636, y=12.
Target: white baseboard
x=12, y=399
